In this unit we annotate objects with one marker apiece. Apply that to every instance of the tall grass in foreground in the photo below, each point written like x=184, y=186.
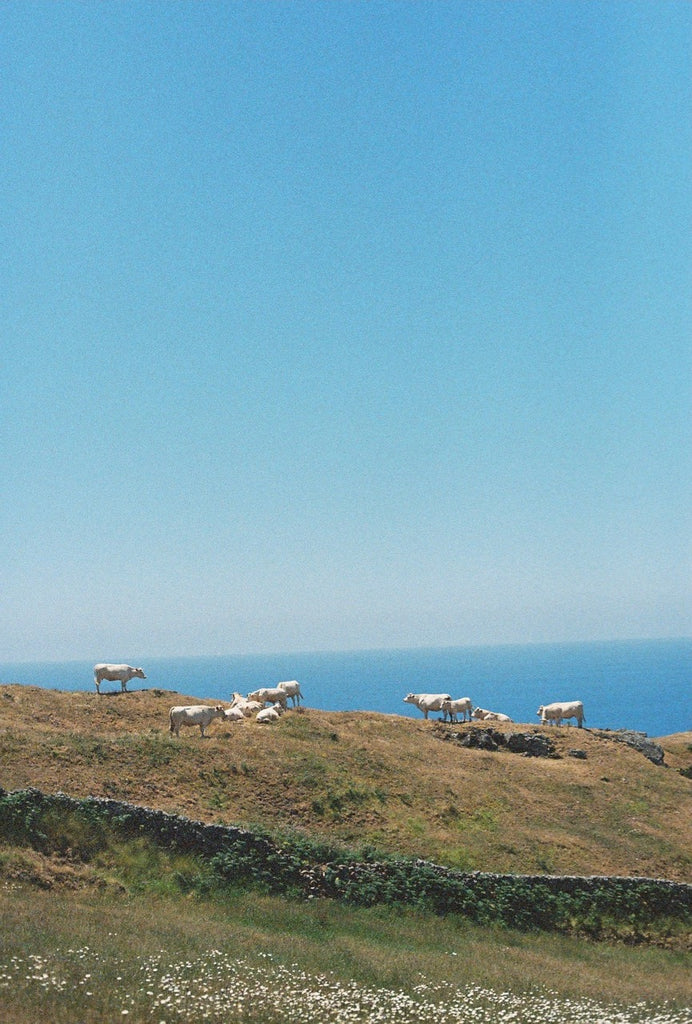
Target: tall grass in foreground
x=75, y=956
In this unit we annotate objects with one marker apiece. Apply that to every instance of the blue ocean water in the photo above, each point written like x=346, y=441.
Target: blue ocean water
x=644, y=685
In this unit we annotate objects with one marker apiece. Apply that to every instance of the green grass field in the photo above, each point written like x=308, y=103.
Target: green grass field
x=102, y=956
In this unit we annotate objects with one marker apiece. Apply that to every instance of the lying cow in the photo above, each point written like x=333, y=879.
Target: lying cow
x=555, y=713
x=248, y=707
x=116, y=673
x=268, y=715
x=194, y=714
x=490, y=716
x=462, y=706
x=426, y=702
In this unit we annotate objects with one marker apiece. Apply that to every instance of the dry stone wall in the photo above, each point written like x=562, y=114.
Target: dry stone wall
x=306, y=869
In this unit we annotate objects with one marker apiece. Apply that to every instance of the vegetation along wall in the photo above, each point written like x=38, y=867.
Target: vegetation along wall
x=303, y=868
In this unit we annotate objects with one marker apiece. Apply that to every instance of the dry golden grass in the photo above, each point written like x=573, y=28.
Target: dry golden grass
x=364, y=778
x=678, y=748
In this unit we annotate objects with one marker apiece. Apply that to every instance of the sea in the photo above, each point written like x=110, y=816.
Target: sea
x=645, y=685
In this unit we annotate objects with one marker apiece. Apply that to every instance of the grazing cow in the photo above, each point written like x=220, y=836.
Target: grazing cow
x=556, y=712
x=426, y=702
x=292, y=689
x=491, y=716
x=194, y=714
x=267, y=694
x=116, y=673
x=268, y=715
x=462, y=706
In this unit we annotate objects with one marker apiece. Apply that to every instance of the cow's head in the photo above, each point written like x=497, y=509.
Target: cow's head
x=540, y=710
x=410, y=698
x=139, y=673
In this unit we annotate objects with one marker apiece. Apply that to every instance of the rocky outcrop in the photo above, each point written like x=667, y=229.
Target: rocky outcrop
x=638, y=740
x=534, y=744
x=530, y=744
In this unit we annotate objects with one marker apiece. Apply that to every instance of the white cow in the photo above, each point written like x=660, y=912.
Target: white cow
x=462, y=706
x=269, y=694
x=194, y=714
x=251, y=707
x=490, y=716
x=268, y=715
x=426, y=702
x=248, y=707
x=556, y=712
x=116, y=673
x=292, y=689
x=234, y=715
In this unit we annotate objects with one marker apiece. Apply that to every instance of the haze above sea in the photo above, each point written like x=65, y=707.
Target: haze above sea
x=644, y=684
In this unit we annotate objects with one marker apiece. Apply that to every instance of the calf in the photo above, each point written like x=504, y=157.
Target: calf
x=462, y=706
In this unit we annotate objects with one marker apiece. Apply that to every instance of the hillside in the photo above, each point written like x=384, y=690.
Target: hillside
x=365, y=778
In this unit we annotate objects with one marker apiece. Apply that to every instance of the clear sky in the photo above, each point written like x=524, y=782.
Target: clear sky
x=341, y=325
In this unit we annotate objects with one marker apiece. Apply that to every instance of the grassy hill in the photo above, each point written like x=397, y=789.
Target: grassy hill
x=365, y=779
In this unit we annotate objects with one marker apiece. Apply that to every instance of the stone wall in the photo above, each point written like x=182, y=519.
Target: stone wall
x=369, y=881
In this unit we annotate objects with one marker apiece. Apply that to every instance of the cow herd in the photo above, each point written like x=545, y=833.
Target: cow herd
x=268, y=703
x=550, y=714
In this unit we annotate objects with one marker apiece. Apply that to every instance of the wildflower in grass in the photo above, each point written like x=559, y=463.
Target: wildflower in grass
x=219, y=988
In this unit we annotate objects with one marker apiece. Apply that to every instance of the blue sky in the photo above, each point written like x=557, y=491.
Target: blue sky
x=343, y=325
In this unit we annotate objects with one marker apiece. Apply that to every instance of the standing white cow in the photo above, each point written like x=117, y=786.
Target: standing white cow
x=194, y=714
x=116, y=673
x=292, y=689
x=267, y=694
x=461, y=706
x=557, y=711
x=426, y=702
